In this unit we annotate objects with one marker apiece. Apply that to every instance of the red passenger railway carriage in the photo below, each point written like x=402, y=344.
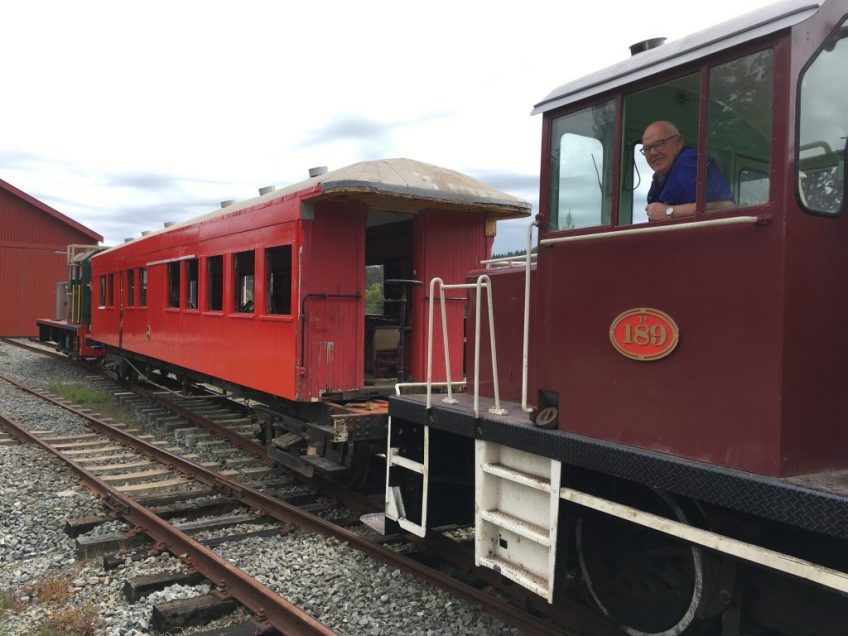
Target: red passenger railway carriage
x=307, y=298
x=677, y=452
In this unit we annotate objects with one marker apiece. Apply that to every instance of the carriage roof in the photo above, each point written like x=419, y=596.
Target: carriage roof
x=402, y=184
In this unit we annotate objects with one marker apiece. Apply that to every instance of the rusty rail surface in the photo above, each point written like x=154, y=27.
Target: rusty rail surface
x=584, y=621
x=269, y=608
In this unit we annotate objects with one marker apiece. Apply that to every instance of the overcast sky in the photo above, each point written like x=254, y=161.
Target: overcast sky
x=125, y=115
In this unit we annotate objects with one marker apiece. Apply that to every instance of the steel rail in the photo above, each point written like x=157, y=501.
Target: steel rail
x=269, y=608
x=28, y=347
x=351, y=499
x=287, y=513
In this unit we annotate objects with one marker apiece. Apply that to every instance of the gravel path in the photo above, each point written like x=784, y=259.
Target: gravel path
x=339, y=586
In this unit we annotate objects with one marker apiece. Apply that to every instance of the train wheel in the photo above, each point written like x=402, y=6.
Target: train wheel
x=647, y=582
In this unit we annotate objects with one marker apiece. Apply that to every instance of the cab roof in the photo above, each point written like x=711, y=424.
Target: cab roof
x=750, y=26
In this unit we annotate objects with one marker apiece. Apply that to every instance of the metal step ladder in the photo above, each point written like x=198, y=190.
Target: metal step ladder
x=517, y=512
x=395, y=508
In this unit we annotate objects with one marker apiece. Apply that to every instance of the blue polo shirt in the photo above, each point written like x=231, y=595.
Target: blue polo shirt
x=679, y=184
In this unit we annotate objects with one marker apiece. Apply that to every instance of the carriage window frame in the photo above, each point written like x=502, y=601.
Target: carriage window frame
x=130, y=288
x=244, y=282
x=102, y=290
x=828, y=46
x=110, y=290
x=278, y=280
x=192, y=274
x=173, y=273
x=215, y=283
x=142, y=287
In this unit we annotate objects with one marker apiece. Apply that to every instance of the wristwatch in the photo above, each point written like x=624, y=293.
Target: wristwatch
x=669, y=212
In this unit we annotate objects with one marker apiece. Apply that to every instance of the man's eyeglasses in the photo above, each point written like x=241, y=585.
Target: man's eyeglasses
x=658, y=146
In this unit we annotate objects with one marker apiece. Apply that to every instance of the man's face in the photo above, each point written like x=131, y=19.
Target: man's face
x=663, y=146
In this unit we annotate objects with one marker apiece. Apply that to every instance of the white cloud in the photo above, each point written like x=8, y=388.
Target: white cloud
x=119, y=113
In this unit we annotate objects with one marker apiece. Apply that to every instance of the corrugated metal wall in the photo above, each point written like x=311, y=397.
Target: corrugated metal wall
x=32, y=261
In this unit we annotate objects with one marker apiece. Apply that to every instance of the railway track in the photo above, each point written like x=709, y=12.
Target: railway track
x=136, y=498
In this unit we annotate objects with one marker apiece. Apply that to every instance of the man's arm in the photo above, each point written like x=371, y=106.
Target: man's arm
x=659, y=211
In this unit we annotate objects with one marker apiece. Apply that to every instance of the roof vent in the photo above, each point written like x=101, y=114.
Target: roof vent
x=646, y=45
x=265, y=190
x=317, y=171
x=227, y=202
x=168, y=223
x=145, y=232
x=128, y=240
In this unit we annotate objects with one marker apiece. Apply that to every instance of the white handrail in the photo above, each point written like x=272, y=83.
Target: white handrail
x=509, y=260
x=482, y=281
x=677, y=227
x=525, y=355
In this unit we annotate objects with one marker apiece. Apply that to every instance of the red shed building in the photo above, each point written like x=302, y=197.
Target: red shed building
x=33, y=247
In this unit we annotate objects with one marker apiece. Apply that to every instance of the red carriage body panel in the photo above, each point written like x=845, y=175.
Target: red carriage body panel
x=328, y=229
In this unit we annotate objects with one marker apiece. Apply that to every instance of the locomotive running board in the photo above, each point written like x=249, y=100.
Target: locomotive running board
x=516, y=515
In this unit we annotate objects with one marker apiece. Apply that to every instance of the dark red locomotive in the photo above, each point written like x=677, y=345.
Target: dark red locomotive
x=684, y=463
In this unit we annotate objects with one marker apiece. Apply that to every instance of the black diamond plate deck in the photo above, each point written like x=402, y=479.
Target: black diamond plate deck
x=796, y=501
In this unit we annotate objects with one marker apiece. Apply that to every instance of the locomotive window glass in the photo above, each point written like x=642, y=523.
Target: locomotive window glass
x=581, y=168
x=278, y=267
x=130, y=287
x=102, y=287
x=374, y=290
x=215, y=278
x=676, y=101
x=191, y=283
x=142, y=286
x=243, y=263
x=740, y=118
x=753, y=187
x=824, y=128
x=174, y=284
x=110, y=290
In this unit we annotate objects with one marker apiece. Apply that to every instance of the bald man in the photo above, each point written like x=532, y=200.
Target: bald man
x=675, y=166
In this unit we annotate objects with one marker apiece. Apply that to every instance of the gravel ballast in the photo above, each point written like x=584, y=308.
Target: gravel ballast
x=340, y=586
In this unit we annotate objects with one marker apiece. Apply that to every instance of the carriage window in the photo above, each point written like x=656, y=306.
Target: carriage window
x=102, y=291
x=823, y=128
x=739, y=137
x=174, y=284
x=278, y=267
x=191, y=283
x=581, y=168
x=243, y=264
x=130, y=287
x=215, y=278
x=110, y=290
x=142, y=286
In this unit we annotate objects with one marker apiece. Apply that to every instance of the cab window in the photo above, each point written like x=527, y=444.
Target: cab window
x=739, y=125
x=822, y=128
x=582, y=168
x=677, y=101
